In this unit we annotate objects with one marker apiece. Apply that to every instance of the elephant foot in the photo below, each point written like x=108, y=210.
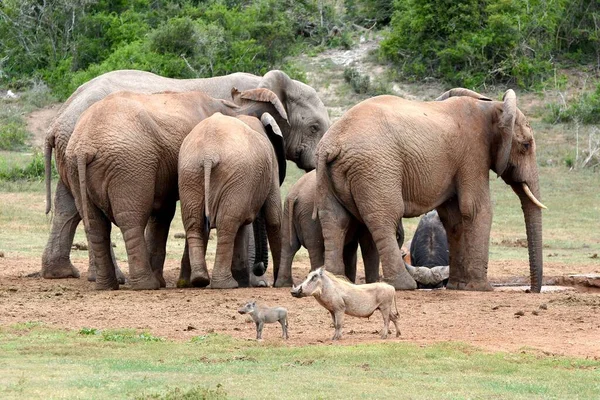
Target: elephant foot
x=146, y=283
x=481, y=285
x=403, y=281
x=161, y=279
x=258, y=281
x=183, y=283
x=283, y=282
x=107, y=284
x=92, y=275
x=223, y=283
x=59, y=270
x=200, y=278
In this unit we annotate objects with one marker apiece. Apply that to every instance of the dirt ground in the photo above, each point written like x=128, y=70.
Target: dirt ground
x=562, y=323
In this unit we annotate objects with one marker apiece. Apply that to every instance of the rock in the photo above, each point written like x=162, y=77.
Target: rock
x=1, y=254
x=520, y=313
x=535, y=312
x=543, y=306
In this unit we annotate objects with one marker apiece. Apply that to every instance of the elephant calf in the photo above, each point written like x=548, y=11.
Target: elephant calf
x=229, y=171
x=298, y=228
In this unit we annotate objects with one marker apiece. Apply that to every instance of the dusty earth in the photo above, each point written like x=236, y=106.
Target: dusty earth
x=562, y=323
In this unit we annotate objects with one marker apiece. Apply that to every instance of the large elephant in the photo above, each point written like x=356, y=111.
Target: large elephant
x=229, y=170
x=121, y=166
x=298, y=228
x=388, y=158
x=308, y=122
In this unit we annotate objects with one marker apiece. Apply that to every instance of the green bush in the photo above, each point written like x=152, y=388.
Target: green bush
x=478, y=42
x=362, y=84
x=13, y=136
x=584, y=109
x=33, y=171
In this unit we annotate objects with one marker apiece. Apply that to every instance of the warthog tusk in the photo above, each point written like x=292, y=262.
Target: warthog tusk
x=532, y=197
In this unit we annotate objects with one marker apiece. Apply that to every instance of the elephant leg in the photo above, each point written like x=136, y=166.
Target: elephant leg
x=349, y=255
x=290, y=244
x=156, y=235
x=451, y=218
x=272, y=213
x=196, y=243
x=335, y=222
x=185, y=270
x=240, y=265
x=222, y=278
x=316, y=254
x=100, y=244
x=477, y=224
x=92, y=266
x=56, y=261
x=369, y=255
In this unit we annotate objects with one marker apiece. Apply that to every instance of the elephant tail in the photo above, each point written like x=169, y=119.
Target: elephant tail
x=48, y=171
x=81, y=170
x=291, y=200
x=321, y=181
x=208, y=164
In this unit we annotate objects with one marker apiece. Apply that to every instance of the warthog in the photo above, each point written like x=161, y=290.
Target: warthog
x=266, y=315
x=339, y=297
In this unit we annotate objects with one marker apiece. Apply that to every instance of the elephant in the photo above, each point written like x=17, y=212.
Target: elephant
x=429, y=246
x=229, y=169
x=308, y=122
x=300, y=229
x=388, y=158
x=121, y=166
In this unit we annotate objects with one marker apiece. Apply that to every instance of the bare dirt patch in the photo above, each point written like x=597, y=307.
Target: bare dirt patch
x=38, y=122
x=554, y=323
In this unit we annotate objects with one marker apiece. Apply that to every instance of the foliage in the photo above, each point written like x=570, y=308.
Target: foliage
x=584, y=109
x=362, y=84
x=68, y=42
x=33, y=171
x=13, y=135
x=128, y=336
x=478, y=42
x=370, y=12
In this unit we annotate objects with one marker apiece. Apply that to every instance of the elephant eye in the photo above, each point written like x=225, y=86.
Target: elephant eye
x=526, y=146
x=314, y=128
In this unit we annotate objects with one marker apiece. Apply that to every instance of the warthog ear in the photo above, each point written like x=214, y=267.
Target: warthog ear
x=321, y=270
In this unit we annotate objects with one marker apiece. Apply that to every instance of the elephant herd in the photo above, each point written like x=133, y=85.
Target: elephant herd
x=129, y=144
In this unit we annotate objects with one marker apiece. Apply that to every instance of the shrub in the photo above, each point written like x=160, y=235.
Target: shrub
x=478, y=42
x=13, y=136
x=584, y=109
x=33, y=171
x=362, y=84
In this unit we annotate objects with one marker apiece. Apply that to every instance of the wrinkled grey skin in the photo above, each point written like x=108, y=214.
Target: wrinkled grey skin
x=228, y=172
x=340, y=297
x=308, y=119
x=266, y=315
x=298, y=228
x=367, y=169
x=429, y=248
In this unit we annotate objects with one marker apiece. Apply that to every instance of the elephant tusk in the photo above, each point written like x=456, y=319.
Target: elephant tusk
x=532, y=197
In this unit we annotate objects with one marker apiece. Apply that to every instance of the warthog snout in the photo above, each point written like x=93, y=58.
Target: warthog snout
x=297, y=291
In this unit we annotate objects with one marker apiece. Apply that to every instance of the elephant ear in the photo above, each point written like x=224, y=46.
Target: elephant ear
x=276, y=138
x=462, y=92
x=261, y=95
x=506, y=128
x=277, y=82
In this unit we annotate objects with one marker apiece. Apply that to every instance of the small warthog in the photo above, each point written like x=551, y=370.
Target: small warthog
x=266, y=315
x=340, y=297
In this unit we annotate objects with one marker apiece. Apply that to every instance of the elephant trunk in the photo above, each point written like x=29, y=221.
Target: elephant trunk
x=533, y=225
x=261, y=250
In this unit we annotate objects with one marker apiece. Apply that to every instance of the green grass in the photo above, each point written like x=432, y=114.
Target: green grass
x=39, y=362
